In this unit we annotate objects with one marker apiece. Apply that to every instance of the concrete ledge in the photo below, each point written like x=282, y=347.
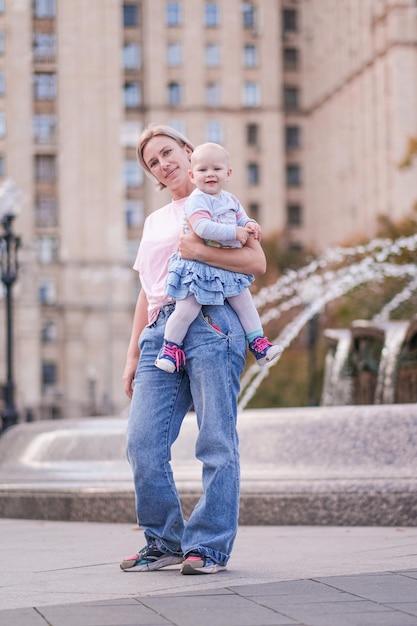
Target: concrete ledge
x=353, y=465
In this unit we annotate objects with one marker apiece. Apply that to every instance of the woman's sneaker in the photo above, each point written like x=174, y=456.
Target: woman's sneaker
x=149, y=559
x=170, y=357
x=264, y=351
x=196, y=563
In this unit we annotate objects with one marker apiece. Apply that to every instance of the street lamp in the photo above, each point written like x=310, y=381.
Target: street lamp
x=9, y=245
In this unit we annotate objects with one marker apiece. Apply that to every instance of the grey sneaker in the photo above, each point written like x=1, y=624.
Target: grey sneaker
x=148, y=559
x=196, y=563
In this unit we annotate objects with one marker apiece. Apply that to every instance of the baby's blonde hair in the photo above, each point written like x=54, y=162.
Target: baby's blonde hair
x=209, y=145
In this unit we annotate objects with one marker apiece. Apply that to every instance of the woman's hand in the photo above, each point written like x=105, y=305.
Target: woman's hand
x=140, y=319
x=191, y=246
x=128, y=376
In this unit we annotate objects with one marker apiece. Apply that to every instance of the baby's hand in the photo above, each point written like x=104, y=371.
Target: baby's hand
x=254, y=229
x=241, y=235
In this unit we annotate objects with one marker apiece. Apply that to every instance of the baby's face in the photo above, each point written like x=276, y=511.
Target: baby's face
x=210, y=170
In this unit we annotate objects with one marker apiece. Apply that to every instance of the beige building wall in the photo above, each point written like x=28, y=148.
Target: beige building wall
x=360, y=93
x=16, y=148
x=95, y=283
x=92, y=287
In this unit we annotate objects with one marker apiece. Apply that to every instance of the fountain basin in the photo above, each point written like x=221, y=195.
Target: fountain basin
x=344, y=465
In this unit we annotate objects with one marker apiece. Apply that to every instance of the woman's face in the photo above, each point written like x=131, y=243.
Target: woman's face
x=169, y=163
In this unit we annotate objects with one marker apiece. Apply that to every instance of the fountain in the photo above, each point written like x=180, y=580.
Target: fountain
x=340, y=463
x=324, y=280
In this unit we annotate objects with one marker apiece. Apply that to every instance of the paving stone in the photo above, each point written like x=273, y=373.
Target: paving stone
x=230, y=610
x=21, y=617
x=126, y=613
x=386, y=588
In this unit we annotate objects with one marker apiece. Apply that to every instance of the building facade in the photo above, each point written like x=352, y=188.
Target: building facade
x=315, y=101
x=360, y=104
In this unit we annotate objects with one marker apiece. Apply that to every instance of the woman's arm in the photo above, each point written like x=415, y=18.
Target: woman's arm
x=140, y=319
x=249, y=260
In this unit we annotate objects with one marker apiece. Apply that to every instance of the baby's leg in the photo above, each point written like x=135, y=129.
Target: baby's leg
x=259, y=345
x=179, y=321
x=246, y=311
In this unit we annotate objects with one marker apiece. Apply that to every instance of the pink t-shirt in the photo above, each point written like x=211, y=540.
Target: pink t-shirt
x=161, y=233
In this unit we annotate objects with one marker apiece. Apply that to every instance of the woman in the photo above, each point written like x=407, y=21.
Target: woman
x=209, y=381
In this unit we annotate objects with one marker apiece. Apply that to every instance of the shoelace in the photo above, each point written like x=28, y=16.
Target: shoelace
x=260, y=344
x=146, y=550
x=176, y=354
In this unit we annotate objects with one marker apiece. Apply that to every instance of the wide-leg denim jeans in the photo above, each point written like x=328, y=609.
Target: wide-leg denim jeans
x=215, y=350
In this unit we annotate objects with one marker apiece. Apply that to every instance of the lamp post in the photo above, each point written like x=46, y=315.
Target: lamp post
x=9, y=245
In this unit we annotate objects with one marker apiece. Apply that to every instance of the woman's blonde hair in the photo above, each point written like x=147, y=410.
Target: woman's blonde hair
x=154, y=130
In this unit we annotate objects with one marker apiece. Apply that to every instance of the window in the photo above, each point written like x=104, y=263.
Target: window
x=294, y=215
x=1, y=6
x=2, y=124
x=253, y=210
x=44, y=8
x=253, y=174
x=49, y=332
x=133, y=174
x=291, y=59
x=213, y=94
x=46, y=212
x=2, y=166
x=211, y=15
x=49, y=373
x=45, y=86
x=248, y=11
x=134, y=213
x=132, y=95
x=47, y=250
x=250, y=55
x=251, y=95
x=174, y=54
x=132, y=56
x=291, y=98
x=289, y=20
x=292, y=137
x=212, y=55
x=44, y=46
x=174, y=94
x=179, y=125
x=44, y=128
x=252, y=134
x=2, y=84
x=214, y=131
x=45, y=168
x=130, y=14
x=293, y=175
x=2, y=41
x=47, y=291
x=173, y=14
x=131, y=130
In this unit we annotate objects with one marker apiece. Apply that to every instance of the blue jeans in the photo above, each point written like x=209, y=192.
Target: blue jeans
x=209, y=381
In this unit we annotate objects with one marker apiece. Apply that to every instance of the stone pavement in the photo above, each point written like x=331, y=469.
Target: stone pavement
x=67, y=573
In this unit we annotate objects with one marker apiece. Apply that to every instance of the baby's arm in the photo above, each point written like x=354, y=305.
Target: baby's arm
x=204, y=227
x=250, y=259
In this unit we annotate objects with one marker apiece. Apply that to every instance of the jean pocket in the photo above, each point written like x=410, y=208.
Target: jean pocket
x=207, y=319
